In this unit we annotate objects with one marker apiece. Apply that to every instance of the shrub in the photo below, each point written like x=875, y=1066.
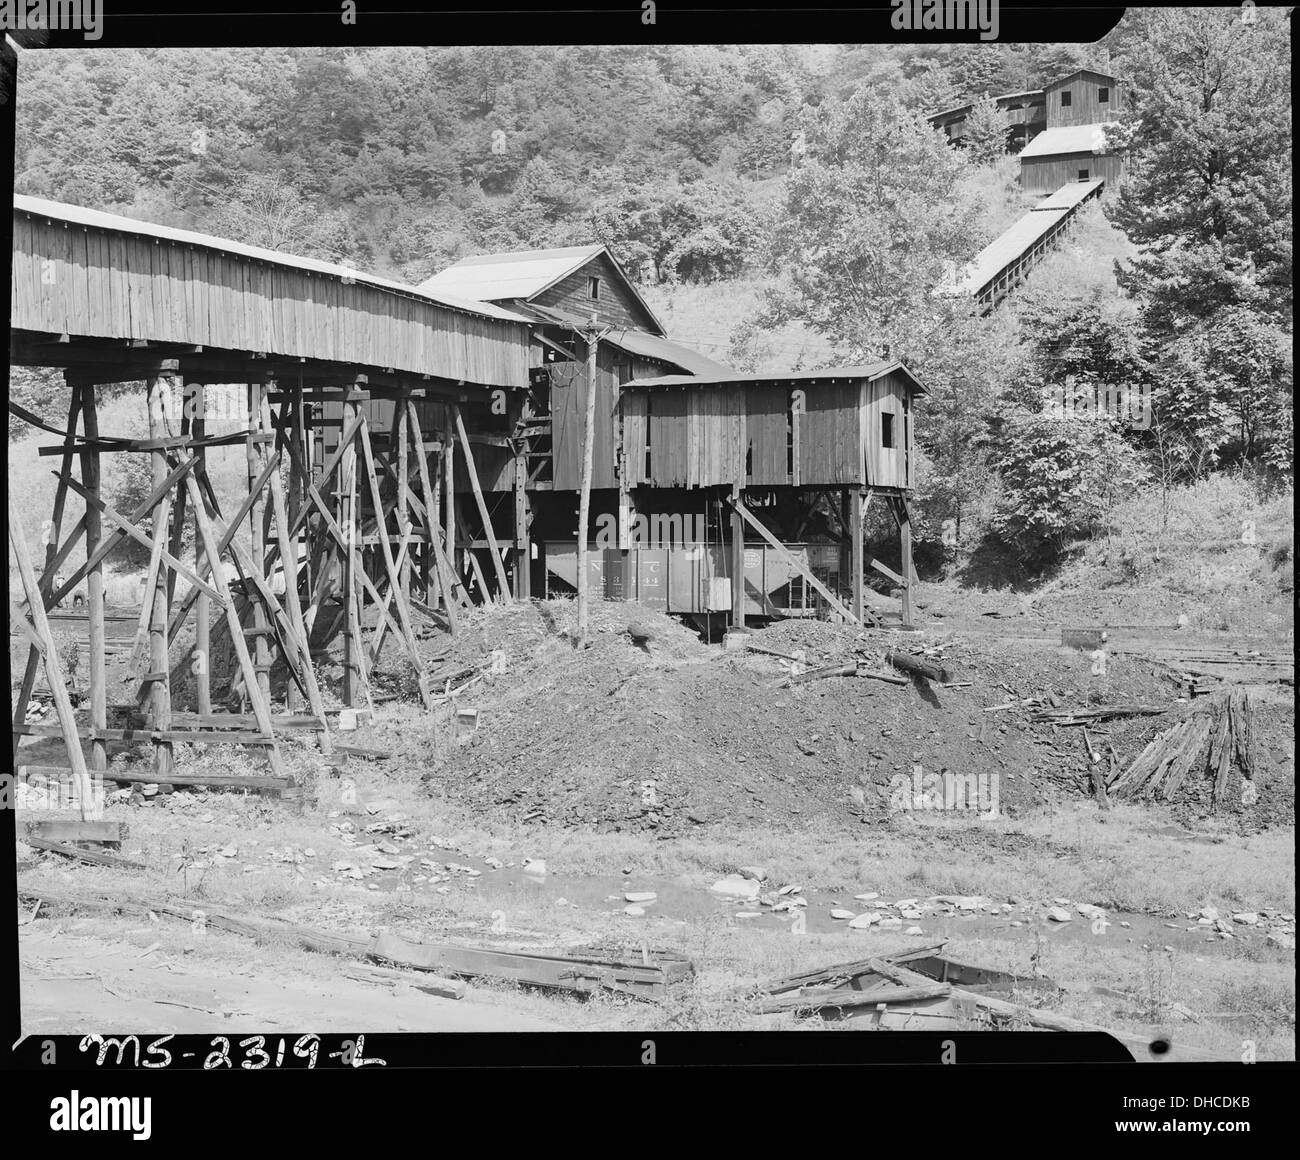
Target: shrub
x=1060, y=476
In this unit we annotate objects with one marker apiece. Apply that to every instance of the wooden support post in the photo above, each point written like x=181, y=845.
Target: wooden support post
x=96, y=674
x=255, y=453
x=45, y=581
x=498, y=566
x=159, y=398
x=49, y=652
x=433, y=509
x=261, y=710
x=449, y=494
x=401, y=429
x=446, y=574
x=523, y=537
x=592, y=339
x=856, y=553
x=905, y=548
x=347, y=487
x=292, y=604
x=401, y=596
x=737, y=560
x=201, y=665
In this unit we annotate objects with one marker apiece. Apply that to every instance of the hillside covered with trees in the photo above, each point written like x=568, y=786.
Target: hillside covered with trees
x=783, y=207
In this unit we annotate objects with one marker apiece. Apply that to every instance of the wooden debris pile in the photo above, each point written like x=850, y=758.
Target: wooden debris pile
x=926, y=990
x=1162, y=766
x=650, y=978
x=905, y=668
x=1101, y=713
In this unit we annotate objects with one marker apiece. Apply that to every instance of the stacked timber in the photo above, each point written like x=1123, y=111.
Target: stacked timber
x=1207, y=741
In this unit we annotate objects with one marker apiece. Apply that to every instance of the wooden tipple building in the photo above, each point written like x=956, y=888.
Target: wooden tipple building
x=678, y=439
x=1058, y=130
x=409, y=450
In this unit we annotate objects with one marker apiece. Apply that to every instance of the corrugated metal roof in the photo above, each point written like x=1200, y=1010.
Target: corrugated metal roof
x=868, y=371
x=1022, y=234
x=1067, y=139
x=1070, y=195
x=493, y=277
x=97, y=219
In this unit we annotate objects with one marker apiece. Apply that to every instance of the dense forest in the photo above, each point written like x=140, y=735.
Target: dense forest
x=801, y=181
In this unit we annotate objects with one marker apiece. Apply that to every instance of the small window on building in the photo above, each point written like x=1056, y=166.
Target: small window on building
x=1103, y=95
x=593, y=288
x=886, y=430
x=1065, y=99
x=1083, y=175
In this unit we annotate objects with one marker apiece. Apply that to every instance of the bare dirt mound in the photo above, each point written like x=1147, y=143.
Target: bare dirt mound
x=651, y=729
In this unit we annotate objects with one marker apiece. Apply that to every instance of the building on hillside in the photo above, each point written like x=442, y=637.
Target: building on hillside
x=684, y=451
x=1073, y=146
x=1025, y=113
x=1059, y=130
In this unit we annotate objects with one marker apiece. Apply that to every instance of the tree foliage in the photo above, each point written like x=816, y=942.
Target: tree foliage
x=986, y=132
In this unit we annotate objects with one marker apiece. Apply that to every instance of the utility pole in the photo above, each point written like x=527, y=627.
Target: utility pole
x=592, y=338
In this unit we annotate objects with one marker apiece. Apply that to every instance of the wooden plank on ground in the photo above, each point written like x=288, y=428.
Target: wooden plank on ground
x=95, y=857
x=74, y=830
x=559, y=971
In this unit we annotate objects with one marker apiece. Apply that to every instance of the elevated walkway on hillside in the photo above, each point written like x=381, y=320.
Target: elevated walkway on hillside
x=1005, y=262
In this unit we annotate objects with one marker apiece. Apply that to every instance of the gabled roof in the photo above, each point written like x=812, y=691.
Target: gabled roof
x=495, y=277
x=97, y=219
x=1081, y=72
x=524, y=275
x=1067, y=139
x=868, y=371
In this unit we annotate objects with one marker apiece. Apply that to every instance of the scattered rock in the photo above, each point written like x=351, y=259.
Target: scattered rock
x=1059, y=914
x=865, y=920
x=840, y=913
x=635, y=911
x=640, y=896
x=1246, y=918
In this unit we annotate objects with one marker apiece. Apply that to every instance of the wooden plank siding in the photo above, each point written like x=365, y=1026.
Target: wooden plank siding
x=615, y=305
x=1048, y=174
x=568, y=423
x=887, y=466
x=1085, y=107
x=703, y=436
x=767, y=434
x=101, y=283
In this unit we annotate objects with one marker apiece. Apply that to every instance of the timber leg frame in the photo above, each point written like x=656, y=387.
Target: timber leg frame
x=181, y=496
